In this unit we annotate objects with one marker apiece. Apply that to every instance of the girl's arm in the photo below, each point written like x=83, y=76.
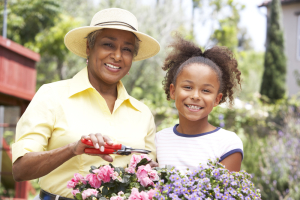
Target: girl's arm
x=233, y=162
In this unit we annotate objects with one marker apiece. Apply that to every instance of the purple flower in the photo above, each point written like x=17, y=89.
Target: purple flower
x=216, y=173
x=205, y=180
x=221, y=116
x=247, y=198
x=208, y=186
x=222, y=124
x=174, y=177
x=233, y=183
x=217, y=189
x=202, y=174
x=241, y=196
x=218, y=195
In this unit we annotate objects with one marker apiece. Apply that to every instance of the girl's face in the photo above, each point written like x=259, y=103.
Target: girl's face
x=111, y=57
x=196, y=92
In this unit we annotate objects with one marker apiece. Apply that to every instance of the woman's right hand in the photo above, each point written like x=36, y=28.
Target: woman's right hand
x=98, y=142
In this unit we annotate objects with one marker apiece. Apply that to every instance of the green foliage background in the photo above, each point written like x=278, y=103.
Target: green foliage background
x=266, y=130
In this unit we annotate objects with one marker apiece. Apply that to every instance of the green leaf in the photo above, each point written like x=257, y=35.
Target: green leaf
x=127, y=195
x=105, y=191
x=117, y=169
x=78, y=196
x=144, y=161
x=93, y=167
x=126, y=179
x=111, y=165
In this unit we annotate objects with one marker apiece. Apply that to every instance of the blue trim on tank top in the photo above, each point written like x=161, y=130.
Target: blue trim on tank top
x=196, y=135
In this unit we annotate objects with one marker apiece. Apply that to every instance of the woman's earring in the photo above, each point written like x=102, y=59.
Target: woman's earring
x=128, y=73
x=87, y=60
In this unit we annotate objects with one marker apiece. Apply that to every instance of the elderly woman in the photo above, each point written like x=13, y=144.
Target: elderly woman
x=92, y=105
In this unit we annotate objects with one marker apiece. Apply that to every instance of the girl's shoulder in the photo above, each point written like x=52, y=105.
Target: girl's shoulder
x=229, y=137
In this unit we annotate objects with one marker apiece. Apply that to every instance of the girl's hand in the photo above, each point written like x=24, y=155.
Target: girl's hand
x=98, y=142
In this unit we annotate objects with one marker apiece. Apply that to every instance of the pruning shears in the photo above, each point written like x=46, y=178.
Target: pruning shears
x=119, y=149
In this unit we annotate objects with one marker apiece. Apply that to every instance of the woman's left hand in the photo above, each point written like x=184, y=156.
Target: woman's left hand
x=153, y=164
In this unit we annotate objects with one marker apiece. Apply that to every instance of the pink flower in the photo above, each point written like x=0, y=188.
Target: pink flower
x=89, y=192
x=144, y=196
x=145, y=156
x=79, y=178
x=151, y=193
x=71, y=184
x=146, y=181
x=114, y=175
x=153, y=175
x=74, y=192
x=135, y=159
x=93, y=180
x=143, y=171
x=116, y=198
x=130, y=170
x=135, y=195
x=105, y=173
x=120, y=193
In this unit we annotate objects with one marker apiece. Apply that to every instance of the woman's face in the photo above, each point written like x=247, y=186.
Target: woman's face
x=111, y=57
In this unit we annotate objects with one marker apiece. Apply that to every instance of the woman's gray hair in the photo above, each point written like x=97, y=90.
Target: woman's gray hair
x=91, y=38
x=200, y=60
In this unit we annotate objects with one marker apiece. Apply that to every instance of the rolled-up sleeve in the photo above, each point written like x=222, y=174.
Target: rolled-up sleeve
x=36, y=124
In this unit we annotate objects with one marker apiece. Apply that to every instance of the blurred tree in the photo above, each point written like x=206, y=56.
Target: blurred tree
x=273, y=82
x=251, y=67
x=228, y=30
x=27, y=18
x=50, y=43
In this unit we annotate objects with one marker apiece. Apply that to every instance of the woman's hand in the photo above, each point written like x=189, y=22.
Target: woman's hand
x=153, y=164
x=98, y=142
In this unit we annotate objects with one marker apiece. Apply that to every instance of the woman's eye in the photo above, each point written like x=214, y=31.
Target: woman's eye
x=108, y=44
x=127, y=49
x=188, y=87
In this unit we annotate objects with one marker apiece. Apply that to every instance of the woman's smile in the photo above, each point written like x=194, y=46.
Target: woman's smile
x=112, y=67
x=111, y=57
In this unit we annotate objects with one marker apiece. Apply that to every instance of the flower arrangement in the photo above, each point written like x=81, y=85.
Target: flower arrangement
x=116, y=183
x=206, y=182
x=140, y=182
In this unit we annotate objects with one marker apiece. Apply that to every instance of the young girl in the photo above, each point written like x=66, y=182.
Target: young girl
x=199, y=81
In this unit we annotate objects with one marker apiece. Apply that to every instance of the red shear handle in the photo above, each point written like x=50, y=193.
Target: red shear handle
x=108, y=149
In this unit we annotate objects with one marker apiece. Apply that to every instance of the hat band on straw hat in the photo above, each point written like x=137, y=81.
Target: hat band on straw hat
x=115, y=23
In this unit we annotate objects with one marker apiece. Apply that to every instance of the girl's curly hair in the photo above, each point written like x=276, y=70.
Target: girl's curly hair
x=219, y=58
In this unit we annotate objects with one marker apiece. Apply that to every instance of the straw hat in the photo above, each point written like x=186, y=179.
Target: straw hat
x=114, y=18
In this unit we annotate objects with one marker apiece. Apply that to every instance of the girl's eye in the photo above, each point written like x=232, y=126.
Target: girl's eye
x=188, y=87
x=206, y=91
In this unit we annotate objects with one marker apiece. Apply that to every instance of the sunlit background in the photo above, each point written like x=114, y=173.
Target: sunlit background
x=269, y=128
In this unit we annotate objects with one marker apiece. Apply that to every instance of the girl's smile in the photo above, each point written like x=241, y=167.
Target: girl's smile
x=196, y=92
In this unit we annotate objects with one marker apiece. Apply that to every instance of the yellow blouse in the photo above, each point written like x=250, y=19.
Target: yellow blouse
x=61, y=112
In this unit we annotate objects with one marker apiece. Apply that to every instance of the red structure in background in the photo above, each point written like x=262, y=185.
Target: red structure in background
x=17, y=88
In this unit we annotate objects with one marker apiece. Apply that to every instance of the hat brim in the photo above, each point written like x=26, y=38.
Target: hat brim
x=75, y=41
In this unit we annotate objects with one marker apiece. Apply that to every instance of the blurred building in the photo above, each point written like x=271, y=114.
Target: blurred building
x=291, y=27
x=17, y=88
